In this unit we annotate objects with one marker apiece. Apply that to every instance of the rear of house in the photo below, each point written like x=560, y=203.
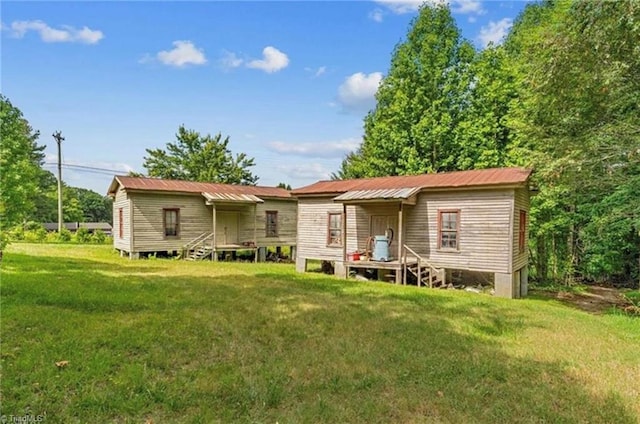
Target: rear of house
x=201, y=219
x=429, y=225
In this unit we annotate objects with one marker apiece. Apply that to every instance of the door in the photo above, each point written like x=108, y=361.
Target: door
x=380, y=224
x=226, y=228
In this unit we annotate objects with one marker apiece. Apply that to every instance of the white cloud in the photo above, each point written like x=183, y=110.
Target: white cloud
x=272, y=60
x=357, y=92
x=317, y=72
x=66, y=34
x=230, y=60
x=321, y=70
x=401, y=7
x=467, y=6
x=305, y=171
x=376, y=15
x=494, y=32
x=184, y=53
x=331, y=149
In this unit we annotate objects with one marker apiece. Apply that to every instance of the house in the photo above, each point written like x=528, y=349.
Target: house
x=199, y=220
x=426, y=226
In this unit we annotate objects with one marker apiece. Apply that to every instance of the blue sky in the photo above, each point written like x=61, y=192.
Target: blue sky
x=288, y=82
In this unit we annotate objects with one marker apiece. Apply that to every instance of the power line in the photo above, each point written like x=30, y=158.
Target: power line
x=84, y=168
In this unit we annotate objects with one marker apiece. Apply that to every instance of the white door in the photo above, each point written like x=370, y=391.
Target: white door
x=226, y=228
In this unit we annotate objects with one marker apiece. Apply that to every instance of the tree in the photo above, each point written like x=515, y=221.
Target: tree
x=94, y=207
x=200, y=158
x=20, y=160
x=419, y=103
x=284, y=186
x=46, y=201
x=577, y=122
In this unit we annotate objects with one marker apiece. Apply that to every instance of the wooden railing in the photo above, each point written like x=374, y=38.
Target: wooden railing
x=201, y=241
x=438, y=273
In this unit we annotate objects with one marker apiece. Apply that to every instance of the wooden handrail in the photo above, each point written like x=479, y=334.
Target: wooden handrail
x=438, y=271
x=201, y=239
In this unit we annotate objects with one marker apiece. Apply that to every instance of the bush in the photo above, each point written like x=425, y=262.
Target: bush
x=98, y=237
x=35, y=236
x=63, y=236
x=83, y=235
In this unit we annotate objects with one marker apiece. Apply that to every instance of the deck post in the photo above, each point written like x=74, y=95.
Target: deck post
x=214, y=254
x=400, y=271
x=344, y=234
x=255, y=229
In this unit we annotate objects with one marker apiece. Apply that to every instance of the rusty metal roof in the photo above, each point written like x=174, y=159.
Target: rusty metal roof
x=381, y=194
x=157, y=184
x=231, y=198
x=457, y=179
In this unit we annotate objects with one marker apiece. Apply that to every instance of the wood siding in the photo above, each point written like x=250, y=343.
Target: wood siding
x=521, y=203
x=146, y=211
x=121, y=201
x=312, y=229
x=195, y=218
x=287, y=223
x=484, y=238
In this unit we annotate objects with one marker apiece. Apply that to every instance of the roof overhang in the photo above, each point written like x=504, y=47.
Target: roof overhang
x=405, y=195
x=212, y=198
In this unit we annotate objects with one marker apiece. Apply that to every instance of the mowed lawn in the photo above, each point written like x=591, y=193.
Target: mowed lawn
x=168, y=341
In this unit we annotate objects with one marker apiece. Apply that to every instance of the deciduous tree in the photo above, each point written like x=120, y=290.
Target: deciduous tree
x=20, y=160
x=194, y=157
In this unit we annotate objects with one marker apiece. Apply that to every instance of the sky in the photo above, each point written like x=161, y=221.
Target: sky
x=289, y=82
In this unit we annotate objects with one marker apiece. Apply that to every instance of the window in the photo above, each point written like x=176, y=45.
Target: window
x=334, y=232
x=448, y=229
x=120, y=223
x=171, y=222
x=522, y=228
x=271, y=224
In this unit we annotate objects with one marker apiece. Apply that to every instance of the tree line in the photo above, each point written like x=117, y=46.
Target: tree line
x=29, y=193
x=561, y=95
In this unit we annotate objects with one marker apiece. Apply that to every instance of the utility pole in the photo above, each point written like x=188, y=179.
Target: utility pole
x=59, y=138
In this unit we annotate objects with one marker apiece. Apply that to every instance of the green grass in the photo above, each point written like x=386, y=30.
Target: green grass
x=184, y=342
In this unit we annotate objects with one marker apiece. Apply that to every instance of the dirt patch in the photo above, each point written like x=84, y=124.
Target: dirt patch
x=595, y=299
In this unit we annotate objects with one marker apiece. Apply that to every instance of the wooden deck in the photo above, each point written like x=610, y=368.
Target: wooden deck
x=395, y=265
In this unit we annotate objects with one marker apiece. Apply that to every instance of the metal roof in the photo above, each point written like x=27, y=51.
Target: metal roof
x=232, y=198
x=382, y=194
x=157, y=184
x=457, y=179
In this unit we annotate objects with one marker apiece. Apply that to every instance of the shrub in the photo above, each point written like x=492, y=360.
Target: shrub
x=35, y=236
x=83, y=235
x=98, y=237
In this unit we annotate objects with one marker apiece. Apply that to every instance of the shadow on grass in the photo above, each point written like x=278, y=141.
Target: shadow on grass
x=274, y=346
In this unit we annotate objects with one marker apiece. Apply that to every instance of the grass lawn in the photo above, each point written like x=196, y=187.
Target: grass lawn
x=167, y=341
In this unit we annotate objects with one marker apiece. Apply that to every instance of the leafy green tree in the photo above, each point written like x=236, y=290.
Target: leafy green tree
x=576, y=121
x=194, y=157
x=419, y=102
x=481, y=133
x=94, y=207
x=284, y=186
x=20, y=160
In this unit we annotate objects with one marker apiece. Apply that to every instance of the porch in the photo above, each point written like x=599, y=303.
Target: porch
x=410, y=263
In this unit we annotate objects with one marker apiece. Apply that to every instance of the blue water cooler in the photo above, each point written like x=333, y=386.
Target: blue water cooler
x=381, y=248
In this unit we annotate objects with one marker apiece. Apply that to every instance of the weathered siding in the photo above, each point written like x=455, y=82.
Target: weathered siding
x=359, y=225
x=484, y=229
x=287, y=219
x=195, y=218
x=521, y=201
x=312, y=229
x=121, y=201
